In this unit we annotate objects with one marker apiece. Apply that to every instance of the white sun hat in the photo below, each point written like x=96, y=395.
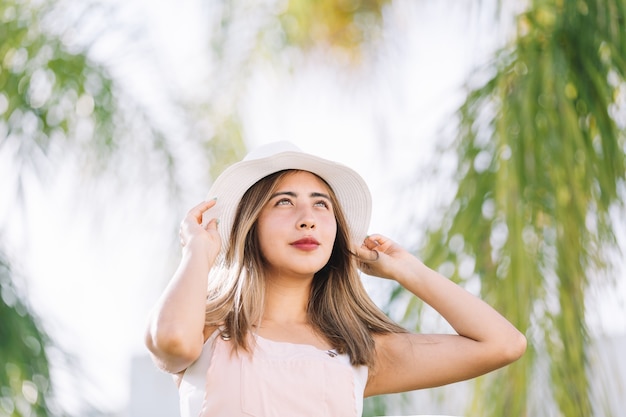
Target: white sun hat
x=349, y=187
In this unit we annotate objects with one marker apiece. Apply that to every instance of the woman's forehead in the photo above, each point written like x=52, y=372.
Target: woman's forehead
x=299, y=177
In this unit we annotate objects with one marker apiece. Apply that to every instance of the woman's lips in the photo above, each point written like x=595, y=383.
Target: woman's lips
x=307, y=243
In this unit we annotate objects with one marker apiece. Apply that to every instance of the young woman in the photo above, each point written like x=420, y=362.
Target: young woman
x=266, y=314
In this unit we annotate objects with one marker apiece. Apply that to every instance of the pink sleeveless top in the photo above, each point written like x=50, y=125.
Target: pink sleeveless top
x=278, y=379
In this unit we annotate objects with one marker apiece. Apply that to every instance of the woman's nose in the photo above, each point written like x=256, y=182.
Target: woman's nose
x=307, y=225
x=307, y=220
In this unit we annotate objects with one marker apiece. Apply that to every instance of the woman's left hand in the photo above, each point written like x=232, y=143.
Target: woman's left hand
x=382, y=257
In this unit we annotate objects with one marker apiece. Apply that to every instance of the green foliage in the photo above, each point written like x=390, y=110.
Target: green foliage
x=374, y=406
x=56, y=102
x=48, y=93
x=540, y=164
x=24, y=375
x=53, y=98
x=49, y=97
x=345, y=24
x=226, y=146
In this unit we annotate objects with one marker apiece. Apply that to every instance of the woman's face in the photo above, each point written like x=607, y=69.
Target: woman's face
x=297, y=226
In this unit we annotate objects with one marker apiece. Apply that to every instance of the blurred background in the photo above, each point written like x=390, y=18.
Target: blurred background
x=492, y=134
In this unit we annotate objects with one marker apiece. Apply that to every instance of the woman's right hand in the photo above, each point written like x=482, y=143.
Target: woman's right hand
x=192, y=232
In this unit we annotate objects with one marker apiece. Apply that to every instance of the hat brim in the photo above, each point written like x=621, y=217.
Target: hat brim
x=351, y=190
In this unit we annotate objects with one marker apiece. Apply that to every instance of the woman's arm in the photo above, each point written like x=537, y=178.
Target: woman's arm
x=484, y=341
x=175, y=326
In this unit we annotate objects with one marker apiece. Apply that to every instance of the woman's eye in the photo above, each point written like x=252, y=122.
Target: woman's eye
x=321, y=203
x=283, y=202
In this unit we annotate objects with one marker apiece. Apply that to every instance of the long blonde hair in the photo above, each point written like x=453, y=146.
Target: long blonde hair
x=339, y=307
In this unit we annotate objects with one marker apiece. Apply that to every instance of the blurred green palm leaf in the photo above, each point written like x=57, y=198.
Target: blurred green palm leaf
x=24, y=375
x=541, y=164
x=47, y=92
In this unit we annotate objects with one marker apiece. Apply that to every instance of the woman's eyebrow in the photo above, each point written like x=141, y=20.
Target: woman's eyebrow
x=326, y=196
x=295, y=195
x=288, y=193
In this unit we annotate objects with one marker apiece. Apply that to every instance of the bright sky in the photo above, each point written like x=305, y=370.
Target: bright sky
x=95, y=281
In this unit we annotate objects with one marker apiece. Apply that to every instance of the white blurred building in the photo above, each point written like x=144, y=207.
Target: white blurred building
x=152, y=392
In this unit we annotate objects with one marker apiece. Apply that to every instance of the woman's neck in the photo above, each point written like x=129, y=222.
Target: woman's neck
x=286, y=300
x=285, y=317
